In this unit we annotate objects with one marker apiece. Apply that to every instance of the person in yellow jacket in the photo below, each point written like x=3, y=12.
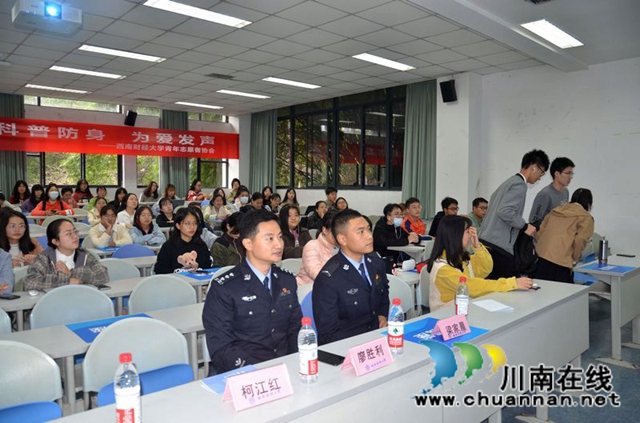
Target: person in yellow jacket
x=564, y=233
x=450, y=259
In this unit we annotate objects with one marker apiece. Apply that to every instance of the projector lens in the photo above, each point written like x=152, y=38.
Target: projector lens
x=52, y=10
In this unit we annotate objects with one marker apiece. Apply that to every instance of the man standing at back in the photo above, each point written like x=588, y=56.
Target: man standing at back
x=351, y=292
x=556, y=192
x=503, y=222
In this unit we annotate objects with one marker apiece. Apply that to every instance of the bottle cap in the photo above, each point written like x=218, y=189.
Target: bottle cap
x=463, y=279
x=125, y=358
x=396, y=301
x=306, y=321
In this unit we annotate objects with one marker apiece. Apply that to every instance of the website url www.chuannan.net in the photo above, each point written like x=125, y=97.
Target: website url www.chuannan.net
x=551, y=400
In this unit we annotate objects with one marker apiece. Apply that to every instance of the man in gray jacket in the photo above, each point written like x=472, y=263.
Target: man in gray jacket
x=503, y=222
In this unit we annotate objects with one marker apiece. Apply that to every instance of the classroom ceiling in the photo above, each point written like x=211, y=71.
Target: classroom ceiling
x=306, y=41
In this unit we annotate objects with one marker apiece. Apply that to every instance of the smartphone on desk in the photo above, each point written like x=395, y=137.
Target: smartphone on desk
x=104, y=287
x=626, y=255
x=9, y=297
x=329, y=358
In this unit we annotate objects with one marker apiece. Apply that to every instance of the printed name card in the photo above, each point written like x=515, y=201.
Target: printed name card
x=259, y=387
x=368, y=357
x=452, y=327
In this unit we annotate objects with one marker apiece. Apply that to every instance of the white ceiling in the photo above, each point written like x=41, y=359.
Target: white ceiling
x=308, y=41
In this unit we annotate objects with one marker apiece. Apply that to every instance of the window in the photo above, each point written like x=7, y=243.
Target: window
x=31, y=99
x=148, y=111
x=212, y=173
x=147, y=170
x=354, y=141
x=68, y=168
x=194, y=116
x=78, y=104
x=212, y=117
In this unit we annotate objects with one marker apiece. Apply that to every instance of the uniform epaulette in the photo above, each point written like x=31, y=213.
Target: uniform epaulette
x=283, y=270
x=221, y=280
x=330, y=268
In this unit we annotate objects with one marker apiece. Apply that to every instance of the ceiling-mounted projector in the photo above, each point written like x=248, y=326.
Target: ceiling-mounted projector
x=46, y=16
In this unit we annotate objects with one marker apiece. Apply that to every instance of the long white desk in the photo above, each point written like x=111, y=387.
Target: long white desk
x=524, y=334
x=102, y=253
x=416, y=252
x=625, y=304
x=144, y=264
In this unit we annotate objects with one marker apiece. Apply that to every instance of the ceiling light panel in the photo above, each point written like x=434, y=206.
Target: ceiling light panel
x=196, y=12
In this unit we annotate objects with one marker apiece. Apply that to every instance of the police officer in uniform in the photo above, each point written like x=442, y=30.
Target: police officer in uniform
x=351, y=292
x=252, y=313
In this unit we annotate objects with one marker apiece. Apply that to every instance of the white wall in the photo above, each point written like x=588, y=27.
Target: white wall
x=106, y=118
x=591, y=116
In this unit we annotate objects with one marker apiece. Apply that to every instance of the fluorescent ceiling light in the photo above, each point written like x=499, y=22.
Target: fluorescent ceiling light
x=242, y=94
x=206, y=106
x=552, y=33
x=87, y=72
x=196, y=12
x=121, y=53
x=293, y=83
x=66, y=90
x=382, y=61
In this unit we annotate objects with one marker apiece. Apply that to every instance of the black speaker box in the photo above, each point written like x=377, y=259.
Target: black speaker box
x=130, y=119
x=448, y=89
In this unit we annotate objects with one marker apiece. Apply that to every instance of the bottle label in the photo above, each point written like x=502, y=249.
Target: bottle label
x=395, y=335
x=308, y=359
x=462, y=305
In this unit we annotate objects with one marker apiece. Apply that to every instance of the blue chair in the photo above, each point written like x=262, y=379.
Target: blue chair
x=43, y=240
x=133, y=250
x=34, y=381
x=307, y=309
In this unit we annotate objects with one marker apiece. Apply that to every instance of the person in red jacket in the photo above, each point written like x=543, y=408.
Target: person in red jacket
x=51, y=203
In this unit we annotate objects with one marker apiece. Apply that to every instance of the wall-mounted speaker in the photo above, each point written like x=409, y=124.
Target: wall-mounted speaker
x=130, y=119
x=448, y=90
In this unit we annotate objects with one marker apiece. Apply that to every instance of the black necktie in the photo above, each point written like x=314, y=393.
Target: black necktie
x=363, y=273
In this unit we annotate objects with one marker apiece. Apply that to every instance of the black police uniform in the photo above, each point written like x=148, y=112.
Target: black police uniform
x=344, y=305
x=245, y=323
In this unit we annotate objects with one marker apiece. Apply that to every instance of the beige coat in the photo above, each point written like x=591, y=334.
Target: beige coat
x=564, y=233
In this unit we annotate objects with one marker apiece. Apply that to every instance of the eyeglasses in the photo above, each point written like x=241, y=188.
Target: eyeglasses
x=70, y=234
x=542, y=172
x=569, y=174
x=13, y=226
x=190, y=224
x=484, y=208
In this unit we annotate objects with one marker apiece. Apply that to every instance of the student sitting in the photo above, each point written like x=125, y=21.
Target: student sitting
x=94, y=215
x=331, y=194
x=228, y=250
x=52, y=204
x=241, y=199
x=101, y=191
x=195, y=191
x=7, y=278
x=150, y=193
x=63, y=263
x=127, y=210
x=294, y=236
x=36, y=196
x=315, y=220
x=341, y=204
x=15, y=240
x=184, y=249
x=235, y=185
x=290, y=197
x=144, y=232
x=165, y=217
x=119, y=198
x=564, y=233
x=480, y=207
x=318, y=251
x=412, y=221
x=216, y=209
x=274, y=203
x=107, y=233
x=82, y=192
x=388, y=233
x=450, y=260
x=207, y=234
x=20, y=193
x=254, y=204
x=449, y=208
x=67, y=197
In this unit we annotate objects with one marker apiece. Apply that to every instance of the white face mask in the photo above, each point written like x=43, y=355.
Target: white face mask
x=244, y=200
x=397, y=221
x=53, y=195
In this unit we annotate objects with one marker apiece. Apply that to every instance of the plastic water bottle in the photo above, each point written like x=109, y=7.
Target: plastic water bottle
x=126, y=385
x=462, y=297
x=308, y=352
x=395, y=333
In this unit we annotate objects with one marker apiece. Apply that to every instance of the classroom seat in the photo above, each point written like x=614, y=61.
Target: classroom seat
x=53, y=218
x=158, y=350
x=161, y=291
x=291, y=264
x=71, y=304
x=37, y=230
x=119, y=269
x=35, y=384
x=313, y=233
x=18, y=274
x=400, y=289
x=133, y=250
x=5, y=322
x=425, y=286
x=217, y=273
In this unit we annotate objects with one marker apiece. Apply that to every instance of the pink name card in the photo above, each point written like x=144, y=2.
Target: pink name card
x=452, y=327
x=258, y=387
x=368, y=357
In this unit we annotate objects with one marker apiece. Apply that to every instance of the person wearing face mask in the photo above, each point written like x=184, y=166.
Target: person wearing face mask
x=388, y=233
x=227, y=250
x=318, y=251
x=51, y=204
x=242, y=199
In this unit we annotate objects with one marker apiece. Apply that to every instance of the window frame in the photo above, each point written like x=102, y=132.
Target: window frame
x=83, y=164
x=199, y=168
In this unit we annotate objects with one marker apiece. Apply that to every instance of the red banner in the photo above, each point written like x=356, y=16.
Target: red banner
x=71, y=137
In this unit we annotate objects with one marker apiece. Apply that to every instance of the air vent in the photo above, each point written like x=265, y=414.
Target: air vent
x=219, y=76
x=146, y=99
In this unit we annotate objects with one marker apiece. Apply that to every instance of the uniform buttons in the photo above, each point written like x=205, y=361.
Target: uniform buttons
x=355, y=303
x=273, y=310
x=275, y=350
x=251, y=313
x=273, y=330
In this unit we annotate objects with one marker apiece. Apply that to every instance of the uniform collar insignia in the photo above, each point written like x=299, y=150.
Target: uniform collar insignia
x=247, y=277
x=352, y=291
x=345, y=267
x=275, y=275
x=369, y=259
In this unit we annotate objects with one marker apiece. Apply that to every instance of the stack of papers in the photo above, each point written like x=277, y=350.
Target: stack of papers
x=492, y=305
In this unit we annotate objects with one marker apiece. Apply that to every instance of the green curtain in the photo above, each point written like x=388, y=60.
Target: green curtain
x=13, y=163
x=419, y=173
x=262, y=158
x=175, y=170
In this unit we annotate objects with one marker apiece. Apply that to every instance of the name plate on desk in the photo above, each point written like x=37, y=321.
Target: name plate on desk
x=452, y=327
x=368, y=357
x=251, y=389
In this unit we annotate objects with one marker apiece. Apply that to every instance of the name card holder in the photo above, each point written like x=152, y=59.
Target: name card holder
x=452, y=327
x=259, y=387
x=368, y=357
